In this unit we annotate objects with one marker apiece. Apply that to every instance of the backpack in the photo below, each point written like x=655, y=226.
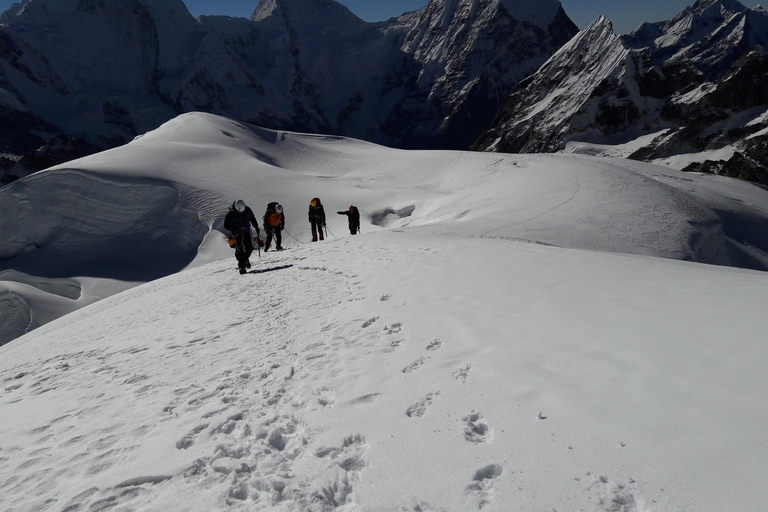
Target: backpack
x=272, y=218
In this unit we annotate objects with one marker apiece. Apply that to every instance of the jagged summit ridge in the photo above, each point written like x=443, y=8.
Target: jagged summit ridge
x=560, y=97
x=541, y=14
x=323, y=12
x=686, y=85
x=107, y=71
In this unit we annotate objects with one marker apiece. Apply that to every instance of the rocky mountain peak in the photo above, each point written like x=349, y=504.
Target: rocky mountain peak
x=107, y=70
x=713, y=6
x=690, y=84
x=318, y=11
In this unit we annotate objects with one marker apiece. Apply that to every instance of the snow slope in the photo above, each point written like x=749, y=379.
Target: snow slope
x=155, y=206
x=483, y=343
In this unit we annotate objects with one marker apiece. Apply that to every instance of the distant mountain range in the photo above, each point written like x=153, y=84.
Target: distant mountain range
x=79, y=76
x=693, y=84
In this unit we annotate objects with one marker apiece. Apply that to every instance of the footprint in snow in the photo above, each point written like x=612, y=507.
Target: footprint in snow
x=611, y=496
x=434, y=345
x=366, y=399
x=476, y=430
x=394, y=328
x=462, y=373
x=394, y=345
x=325, y=397
x=350, y=456
x=415, y=365
x=189, y=439
x=483, y=483
x=419, y=409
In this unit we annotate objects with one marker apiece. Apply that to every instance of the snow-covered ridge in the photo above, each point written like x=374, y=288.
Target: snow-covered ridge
x=156, y=205
x=487, y=342
x=105, y=72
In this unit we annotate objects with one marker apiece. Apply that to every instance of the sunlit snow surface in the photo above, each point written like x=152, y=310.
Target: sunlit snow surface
x=509, y=332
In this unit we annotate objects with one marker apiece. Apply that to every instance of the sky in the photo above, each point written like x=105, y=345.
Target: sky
x=626, y=15
x=508, y=332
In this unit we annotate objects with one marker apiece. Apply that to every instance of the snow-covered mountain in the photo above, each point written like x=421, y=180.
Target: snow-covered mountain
x=508, y=332
x=690, y=85
x=86, y=229
x=105, y=72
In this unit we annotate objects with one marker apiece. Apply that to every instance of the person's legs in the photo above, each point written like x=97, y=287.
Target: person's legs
x=243, y=253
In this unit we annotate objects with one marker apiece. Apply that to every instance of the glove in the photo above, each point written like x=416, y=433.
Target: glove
x=231, y=240
x=259, y=241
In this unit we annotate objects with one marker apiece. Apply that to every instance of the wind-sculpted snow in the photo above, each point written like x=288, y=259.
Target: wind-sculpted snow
x=156, y=205
x=67, y=223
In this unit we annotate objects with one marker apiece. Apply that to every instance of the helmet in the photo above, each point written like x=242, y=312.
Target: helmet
x=313, y=202
x=239, y=205
x=279, y=209
x=351, y=207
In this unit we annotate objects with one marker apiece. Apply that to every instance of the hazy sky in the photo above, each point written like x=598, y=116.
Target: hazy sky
x=626, y=15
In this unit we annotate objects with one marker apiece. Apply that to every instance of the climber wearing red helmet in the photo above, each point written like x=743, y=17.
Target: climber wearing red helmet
x=353, y=216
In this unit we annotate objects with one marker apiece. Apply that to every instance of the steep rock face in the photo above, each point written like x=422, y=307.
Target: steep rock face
x=698, y=80
x=716, y=114
x=469, y=55
x=565, y=94
x=324, y=69
x=105, y=71
x=110, y=70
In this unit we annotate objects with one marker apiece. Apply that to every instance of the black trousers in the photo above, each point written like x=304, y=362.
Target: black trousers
x=243, y=249
x=277, y=232
x=317, y=226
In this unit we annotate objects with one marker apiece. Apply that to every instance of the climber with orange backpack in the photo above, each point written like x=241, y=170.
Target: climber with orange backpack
x=274, y=223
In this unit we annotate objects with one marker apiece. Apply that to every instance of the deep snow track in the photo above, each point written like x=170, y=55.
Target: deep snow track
x=231, y=425
x=397, y=371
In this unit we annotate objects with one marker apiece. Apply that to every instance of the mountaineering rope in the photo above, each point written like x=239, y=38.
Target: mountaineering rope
x=290, y=235
x=326, y=234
